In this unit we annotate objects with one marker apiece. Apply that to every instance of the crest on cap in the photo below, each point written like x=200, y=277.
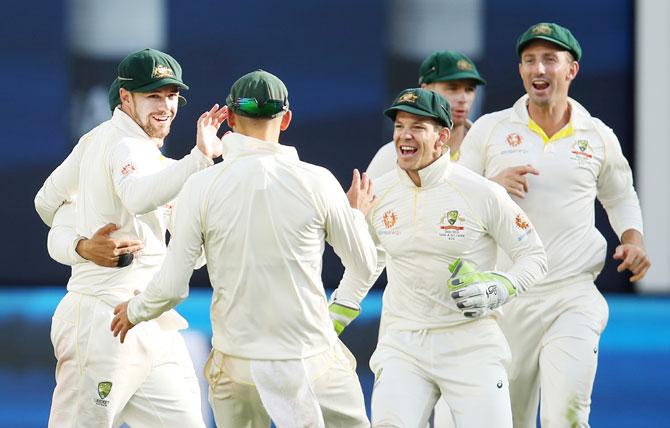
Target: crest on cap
x=542, y=29
x=408, y=97
x=464, y=65
x=161, y=71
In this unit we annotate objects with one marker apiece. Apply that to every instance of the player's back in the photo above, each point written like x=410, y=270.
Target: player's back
x=265, y=222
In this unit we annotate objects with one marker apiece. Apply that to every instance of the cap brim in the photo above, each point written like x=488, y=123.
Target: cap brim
x=160, y=83
x=392, y=111
x=548, y=39
x=466, y=75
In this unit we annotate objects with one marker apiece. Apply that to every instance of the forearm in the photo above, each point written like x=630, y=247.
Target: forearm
x=62, y=243
x=143, y=194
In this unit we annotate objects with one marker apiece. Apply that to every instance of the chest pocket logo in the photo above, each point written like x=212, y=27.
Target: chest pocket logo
x=389, y=221
x=451, y=225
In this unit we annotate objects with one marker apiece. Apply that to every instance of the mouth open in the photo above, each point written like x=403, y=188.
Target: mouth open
x=540, y=85
x=407, y=151
x=161, y=118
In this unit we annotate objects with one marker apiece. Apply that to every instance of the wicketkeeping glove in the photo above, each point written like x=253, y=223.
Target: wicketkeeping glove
x=475, y=292
x=342, y=312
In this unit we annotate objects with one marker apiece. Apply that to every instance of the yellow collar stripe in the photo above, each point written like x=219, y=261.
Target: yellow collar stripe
x=566, y=131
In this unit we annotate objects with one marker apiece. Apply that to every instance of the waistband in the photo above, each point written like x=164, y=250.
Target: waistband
x=581, y=280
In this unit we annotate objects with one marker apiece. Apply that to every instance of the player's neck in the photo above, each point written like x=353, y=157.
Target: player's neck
x=456, y=138
x=269, y=134
x=551, y=117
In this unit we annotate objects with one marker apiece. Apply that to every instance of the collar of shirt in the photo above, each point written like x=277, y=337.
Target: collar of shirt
x=580, y=119
x=235, y=144
x=435, y=173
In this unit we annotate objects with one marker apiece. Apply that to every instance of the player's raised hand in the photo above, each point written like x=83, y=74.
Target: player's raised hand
x=208, y=126
x=514, y=179
x=102, y=250
x=634, y=259
x=361, y=194
x=121, y=324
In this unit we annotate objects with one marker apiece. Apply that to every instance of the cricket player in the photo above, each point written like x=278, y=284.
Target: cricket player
x=440, y=337
x=554, y=158
x=264, y=217
x=117, y=175
x=454, y=76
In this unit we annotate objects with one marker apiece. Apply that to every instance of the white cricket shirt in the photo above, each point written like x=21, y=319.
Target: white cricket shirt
x=117, y=175
x=421, y=230
x=581, y=162
x=264, y=217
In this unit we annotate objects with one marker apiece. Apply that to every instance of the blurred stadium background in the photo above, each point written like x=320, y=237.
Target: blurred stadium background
x=343, y=62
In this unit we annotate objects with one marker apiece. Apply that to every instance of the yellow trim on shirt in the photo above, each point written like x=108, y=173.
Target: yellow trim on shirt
x=566, y=131
x=454, y=156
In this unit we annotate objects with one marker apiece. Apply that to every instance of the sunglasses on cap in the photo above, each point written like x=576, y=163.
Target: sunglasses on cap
x=253, y=108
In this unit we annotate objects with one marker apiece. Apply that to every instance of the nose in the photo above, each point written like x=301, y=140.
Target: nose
x=540, y=67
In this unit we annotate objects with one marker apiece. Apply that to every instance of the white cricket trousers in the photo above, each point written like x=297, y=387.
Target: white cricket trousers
x=464, y=364
x=553, y=331
x=319, y=391
x=148, y=381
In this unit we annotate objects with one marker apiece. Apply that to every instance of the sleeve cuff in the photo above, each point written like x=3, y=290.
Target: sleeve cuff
x=200, y=158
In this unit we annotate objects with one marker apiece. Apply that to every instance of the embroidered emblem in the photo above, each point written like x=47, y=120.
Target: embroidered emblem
x=128, y=169
x=161, y=71
x=390, y=219
x=514, y=139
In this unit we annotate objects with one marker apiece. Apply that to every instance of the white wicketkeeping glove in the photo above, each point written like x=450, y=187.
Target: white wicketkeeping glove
x=476, y=292
x=342, y=312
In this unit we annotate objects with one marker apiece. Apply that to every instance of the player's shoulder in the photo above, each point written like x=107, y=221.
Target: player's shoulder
x=471, y=183
x=587, y=121
x=489, y=120
x=386, y=181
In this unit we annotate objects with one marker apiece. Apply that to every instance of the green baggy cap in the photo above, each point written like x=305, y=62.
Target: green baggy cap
x=258, y=94
x=149, y=69
x=553, y=33
x=422, y=102
x=448, y=65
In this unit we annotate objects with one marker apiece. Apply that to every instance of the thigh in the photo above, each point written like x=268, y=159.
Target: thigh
x=170, y=395
x=339, y=392
x=403, y=396
x=64, y=340
x=442, y=415
x=98, y=375
x=523, y=328
x=571, y=346
x=476, y=379
x=234, y=404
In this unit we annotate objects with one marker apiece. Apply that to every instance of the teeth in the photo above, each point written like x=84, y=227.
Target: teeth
x=407, y=148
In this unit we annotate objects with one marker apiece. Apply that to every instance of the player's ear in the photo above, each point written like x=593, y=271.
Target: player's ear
x=124, y=96
x=574, y=69
x=286, y=120
x=232, y=118
x=443, y=137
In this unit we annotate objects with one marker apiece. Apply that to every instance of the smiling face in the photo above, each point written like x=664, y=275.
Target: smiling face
x=418, y=141
x=547, y=71
x=152, y=111
x=460, y=94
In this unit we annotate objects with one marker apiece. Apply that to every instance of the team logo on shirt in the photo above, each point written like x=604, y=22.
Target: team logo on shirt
x=451, y=225
x=104, y=388
x=128, y=169
x=514, y=139
x=390, y=219
x=581, y=148
x=521, y=221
